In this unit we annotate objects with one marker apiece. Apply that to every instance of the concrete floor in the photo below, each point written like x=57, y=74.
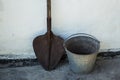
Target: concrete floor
x=105, y=69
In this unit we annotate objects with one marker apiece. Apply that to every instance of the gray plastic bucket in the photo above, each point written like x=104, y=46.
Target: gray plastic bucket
x=81, y=50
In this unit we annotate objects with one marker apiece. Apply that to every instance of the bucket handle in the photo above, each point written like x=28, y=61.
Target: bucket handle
x=82, y=34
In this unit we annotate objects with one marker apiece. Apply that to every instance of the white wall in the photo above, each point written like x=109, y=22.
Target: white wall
x=22, y=20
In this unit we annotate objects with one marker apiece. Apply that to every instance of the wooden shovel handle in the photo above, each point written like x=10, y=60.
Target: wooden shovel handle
x=48, y=15
x=49, y=30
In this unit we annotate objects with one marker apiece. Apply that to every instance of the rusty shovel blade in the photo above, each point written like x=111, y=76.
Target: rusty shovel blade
x=48, y=55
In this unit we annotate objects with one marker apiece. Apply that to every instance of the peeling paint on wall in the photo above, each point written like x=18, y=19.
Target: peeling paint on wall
x=1, y=5
x=1, y=10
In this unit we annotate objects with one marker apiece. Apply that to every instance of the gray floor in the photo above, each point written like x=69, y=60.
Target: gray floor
x=107, y=69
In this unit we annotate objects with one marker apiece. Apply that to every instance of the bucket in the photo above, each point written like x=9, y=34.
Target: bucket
x=82, y=50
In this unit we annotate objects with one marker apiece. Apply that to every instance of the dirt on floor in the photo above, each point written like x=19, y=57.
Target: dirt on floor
x=105, y=69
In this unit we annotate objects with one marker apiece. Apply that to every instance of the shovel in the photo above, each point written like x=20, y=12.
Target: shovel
x=48, y=48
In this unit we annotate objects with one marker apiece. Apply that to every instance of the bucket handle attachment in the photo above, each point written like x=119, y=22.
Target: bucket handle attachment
x=82, y=34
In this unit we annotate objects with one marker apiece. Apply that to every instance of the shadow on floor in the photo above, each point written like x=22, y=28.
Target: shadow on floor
x=105, y=69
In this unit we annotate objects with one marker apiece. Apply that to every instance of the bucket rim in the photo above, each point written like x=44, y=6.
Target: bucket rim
x=84, y=35
x=81, y=34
